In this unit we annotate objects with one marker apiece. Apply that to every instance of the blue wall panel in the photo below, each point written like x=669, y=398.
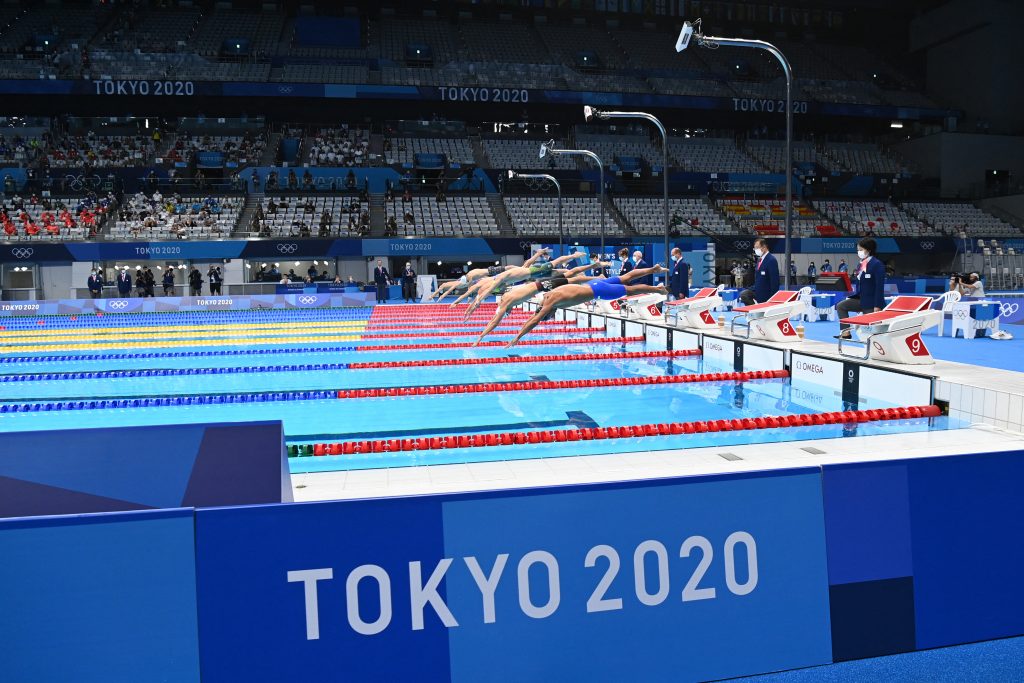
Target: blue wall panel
x=99, y=598
x=256, y=623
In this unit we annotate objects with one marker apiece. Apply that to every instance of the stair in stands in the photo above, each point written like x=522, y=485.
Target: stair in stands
x=376, y=149
x=378, y=217
x=269, y=156
x=500, y=214
x=479, y=158
x=619, y=218
x=243, y=228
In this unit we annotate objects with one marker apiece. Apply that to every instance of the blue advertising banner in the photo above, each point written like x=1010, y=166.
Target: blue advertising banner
x=165, y=304
x=454, y=92
x=683, y=579
x=99, y=598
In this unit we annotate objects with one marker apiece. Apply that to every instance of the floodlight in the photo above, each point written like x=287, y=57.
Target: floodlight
x=683, y=41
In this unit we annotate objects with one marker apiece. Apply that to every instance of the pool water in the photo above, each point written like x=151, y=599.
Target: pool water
x=245, y=373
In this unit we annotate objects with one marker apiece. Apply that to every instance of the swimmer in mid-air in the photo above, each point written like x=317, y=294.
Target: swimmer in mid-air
x=520, y=293
x=495, y=285
x=568, y=295
x=459, y=286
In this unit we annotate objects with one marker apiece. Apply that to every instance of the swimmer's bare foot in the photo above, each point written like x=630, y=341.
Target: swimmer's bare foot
x=659, y=268
x=663, y=289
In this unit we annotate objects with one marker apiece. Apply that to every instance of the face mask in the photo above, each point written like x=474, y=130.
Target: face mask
x=675, y=257
x=861, y=254
x=757, y=253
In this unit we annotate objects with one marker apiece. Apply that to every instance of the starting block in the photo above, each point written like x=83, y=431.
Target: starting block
x=770, y=320
x=695, y=311
x=641, y=306
x=894, y=333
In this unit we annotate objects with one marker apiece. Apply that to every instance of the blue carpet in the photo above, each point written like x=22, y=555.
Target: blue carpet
x=987, y=662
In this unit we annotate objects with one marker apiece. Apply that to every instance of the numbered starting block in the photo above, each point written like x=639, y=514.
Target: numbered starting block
x=641, y=306
x=695, y=311
x=769, y=321
x=894, y=333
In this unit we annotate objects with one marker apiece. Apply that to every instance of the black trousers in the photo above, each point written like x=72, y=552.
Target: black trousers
x=844, y=308
x=382, y=292
x=408, y=290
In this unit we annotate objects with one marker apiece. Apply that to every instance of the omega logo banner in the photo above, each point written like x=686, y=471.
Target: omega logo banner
x=685, y=579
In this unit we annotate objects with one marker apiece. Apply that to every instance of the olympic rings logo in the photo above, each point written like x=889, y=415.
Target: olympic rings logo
x=1006, y=310
x=118, y=304
x=927, y=245
x=284, y=89
x=22, y=252
x=741, y=245
x=307, y=300
x=287, y=248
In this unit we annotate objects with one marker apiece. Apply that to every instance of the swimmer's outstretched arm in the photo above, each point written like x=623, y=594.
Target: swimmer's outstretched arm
x=499, y=314
x=555, y=262
x=470, y=292
x=533, y=259
x=582, y=269
x=545, y=310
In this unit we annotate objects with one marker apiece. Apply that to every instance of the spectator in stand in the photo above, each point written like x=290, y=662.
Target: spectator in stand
x=766, y=276
x=307, y=181
x=215, y=279
x=350, y=180
x=293, y=180
x=140, y=282
x=406, y=196
x=150, y=280
x=95, y=284
x=869, y=286
x=195, y=282
x=124, y=283
x=168, y=281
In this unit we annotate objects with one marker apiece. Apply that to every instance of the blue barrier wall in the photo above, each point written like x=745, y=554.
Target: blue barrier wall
x=682, y=579
x=103, y=470
x=99, y=598
x=281, y=599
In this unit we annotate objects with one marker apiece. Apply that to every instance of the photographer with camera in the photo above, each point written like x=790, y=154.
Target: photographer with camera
x=968, y=285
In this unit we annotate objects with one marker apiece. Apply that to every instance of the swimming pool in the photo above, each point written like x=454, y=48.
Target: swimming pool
x=400, y=386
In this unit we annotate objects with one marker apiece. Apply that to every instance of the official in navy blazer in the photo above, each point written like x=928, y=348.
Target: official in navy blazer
x=766, y=276
x=679, y=276
x=640, y=264
x=868, y=286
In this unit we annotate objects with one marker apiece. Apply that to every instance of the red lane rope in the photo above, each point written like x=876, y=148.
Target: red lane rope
x=527, y=342
x=469, y=333
x=626, y=432
x=491, y=387
x=525, y=359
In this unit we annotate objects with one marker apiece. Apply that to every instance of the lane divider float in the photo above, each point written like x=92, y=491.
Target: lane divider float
x=623, y=432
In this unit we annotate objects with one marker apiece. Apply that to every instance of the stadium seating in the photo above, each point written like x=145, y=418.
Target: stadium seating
x=860, y=158
x=873, y=218
x=539, y=216
x=290, y=212
x=155, y=30
x=338, y=147
x=523, y=155
x=238, y=149
x=767, y=217
x=323, y=73
x=611, y=148
x=82, y=218
x=192, y=218
x=457, y=216
x=771, y=154
x=646, y=216
x=101, y=151
x=710, y=155
x=261, y=29
x=403, y=150
x=952, y=217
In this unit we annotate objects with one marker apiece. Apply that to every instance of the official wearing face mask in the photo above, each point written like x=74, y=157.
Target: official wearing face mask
x=766, y=276
x=408, y=283
x=679, y=276
x=868, y=286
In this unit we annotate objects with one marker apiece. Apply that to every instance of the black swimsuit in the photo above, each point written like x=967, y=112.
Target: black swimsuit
x=547, y=284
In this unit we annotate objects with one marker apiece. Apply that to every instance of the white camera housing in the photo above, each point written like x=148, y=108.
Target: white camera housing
x=588, y=113
x=511, y=174
x=683, y=41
